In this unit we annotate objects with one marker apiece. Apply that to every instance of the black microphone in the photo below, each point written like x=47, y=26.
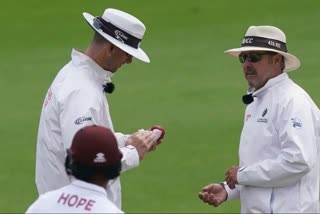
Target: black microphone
x=108, y=88
x=247, y=99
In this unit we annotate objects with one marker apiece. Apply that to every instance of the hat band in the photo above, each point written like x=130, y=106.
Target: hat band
x=264, y=43
x=116, y=33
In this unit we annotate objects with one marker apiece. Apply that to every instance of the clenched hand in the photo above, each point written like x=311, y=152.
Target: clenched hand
x=231, y=176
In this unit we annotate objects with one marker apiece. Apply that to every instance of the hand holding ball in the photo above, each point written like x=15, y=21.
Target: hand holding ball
x=159, y=131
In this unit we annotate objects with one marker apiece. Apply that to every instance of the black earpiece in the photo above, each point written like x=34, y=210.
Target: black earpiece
x=247, y=99
x=108, y=87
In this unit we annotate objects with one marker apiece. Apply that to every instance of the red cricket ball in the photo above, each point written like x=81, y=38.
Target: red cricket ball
x=159, y=128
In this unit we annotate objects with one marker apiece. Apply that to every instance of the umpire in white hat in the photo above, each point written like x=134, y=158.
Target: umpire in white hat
x=278, y=170
x=76, y=99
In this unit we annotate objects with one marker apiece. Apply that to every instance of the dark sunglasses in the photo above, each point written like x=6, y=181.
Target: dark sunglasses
x=253, y=57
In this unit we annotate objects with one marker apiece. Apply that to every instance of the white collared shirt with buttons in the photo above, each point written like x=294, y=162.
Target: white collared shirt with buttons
x=77, y=197
x=279, y=151
x=75, y=99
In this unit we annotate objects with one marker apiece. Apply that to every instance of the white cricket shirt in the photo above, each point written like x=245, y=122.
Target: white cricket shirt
x=75, y=99
x=77, y=197
x=279, y=151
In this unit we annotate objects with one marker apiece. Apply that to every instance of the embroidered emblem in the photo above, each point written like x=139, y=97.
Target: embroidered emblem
x=100, y=158
x=296, y=122
x=80, y=120
x=120, y=35
x=264, y=112
x=262, y=119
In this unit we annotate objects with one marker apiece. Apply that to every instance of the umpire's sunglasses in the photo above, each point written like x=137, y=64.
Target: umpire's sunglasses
x=253, y=57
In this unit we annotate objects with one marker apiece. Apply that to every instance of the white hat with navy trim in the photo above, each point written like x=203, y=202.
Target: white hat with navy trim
x=267, y=38
x=121, y=29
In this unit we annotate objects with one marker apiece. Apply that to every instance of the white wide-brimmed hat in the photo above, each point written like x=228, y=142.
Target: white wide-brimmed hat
x=121, y=29
x=266, y=38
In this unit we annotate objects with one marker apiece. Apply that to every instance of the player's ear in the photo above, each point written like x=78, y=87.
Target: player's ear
x=109, y=47
x=278, y=58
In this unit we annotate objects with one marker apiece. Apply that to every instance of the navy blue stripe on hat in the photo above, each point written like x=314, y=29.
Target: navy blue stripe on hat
x=264, y=43
x=116, y=32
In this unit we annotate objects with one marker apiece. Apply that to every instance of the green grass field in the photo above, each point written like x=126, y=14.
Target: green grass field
x=191, y=88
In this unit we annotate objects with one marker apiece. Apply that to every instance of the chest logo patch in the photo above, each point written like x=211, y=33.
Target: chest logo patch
x=80, y=120
x=296, y=123
x=248, y=116
x=264, y=112
x=263, y=119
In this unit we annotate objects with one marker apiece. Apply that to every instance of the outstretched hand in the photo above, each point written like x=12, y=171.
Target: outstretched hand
x=146, y=140
x=142, y=141
x=213, y=194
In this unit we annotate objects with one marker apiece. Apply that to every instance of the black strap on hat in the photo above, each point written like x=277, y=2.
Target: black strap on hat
x=264, y=43
x=116, y=32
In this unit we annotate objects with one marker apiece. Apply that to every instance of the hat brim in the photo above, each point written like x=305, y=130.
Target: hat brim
x=291, y=61
x=137, y=53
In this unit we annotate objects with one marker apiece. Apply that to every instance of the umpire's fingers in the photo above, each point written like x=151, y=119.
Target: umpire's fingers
x=205, y=197
x=207, y=188
x=212, y=200
x=151, y=138
x=200, y=195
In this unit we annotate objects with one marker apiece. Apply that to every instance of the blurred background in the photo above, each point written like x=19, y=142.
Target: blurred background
x=191, y=88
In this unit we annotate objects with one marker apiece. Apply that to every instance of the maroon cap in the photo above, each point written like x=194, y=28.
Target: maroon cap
x=95, y=146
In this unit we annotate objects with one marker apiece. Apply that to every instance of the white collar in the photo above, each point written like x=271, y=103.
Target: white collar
x=271, y=82
x=89, y=186
x=81, y=59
